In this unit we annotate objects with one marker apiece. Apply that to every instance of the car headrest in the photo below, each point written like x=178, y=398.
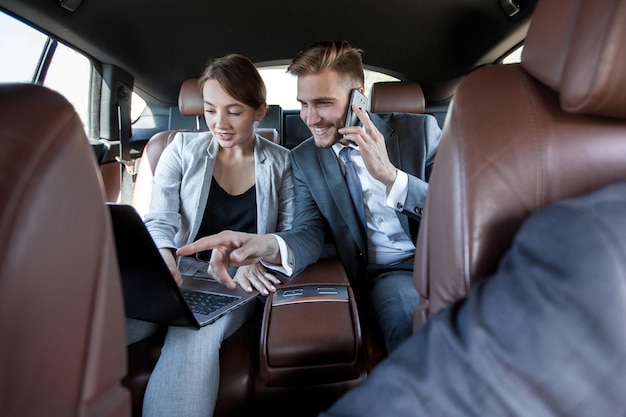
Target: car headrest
x=397, y=96
x=190, y=102
x=577, y=48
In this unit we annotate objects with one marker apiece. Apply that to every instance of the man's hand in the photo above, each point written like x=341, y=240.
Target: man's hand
x=233, y=249
x=372, y=146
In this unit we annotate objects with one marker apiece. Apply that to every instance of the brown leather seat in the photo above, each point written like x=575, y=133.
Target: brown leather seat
x=397, y=96
x=519, y=137
x=63, y=349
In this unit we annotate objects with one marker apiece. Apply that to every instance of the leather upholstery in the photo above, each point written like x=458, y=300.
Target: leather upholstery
x=397, y=96
x=190, y=102
x=63, y=348
x=312, y=337
x=520, y=137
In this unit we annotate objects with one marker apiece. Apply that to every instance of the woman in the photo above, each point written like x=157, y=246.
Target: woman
x=228, y=178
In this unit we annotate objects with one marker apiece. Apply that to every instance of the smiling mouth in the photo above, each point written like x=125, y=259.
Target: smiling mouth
x=320, y=131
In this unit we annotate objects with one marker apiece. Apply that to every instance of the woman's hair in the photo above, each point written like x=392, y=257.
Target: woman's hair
x=238, y=77
x=337, y=55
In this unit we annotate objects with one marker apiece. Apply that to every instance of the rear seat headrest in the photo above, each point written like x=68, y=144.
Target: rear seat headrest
x=190, y=102
x=577, y=48
x=397, y=96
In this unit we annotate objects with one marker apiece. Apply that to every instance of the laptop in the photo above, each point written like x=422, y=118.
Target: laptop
x=150, y=291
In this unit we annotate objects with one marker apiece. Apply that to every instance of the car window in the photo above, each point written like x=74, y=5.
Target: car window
x=20, y=45
x=281, y=86
x=69, y=72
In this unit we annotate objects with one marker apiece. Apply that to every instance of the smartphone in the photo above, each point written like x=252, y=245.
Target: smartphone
x=357, y=98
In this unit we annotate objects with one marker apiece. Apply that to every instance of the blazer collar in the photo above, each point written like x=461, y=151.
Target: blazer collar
x=338, y=191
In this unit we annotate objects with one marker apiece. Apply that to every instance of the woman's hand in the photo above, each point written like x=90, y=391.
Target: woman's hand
x=256, y=276
x=170, y=261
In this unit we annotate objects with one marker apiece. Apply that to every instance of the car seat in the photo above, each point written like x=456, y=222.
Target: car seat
x=397, y=96
x=519, y=137
x=63, y=347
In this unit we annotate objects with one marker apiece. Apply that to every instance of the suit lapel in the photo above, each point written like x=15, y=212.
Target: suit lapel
x=338, y=190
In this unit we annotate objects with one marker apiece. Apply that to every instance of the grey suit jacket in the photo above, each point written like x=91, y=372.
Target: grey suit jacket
x=543, y=337
x=323, y=201
x=182, y=182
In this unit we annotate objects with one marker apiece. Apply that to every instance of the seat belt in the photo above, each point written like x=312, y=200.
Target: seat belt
x=127, y=164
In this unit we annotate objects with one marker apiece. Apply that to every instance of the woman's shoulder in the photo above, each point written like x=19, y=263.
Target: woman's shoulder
x=193, y=137
x=270, y=146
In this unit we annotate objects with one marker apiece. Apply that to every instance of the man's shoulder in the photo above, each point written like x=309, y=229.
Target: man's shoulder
x=306, y=147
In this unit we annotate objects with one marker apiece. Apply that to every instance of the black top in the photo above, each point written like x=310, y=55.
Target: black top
x=227, y=212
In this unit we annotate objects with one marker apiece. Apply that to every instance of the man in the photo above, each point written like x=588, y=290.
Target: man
x=393, y=154
x=543, y=337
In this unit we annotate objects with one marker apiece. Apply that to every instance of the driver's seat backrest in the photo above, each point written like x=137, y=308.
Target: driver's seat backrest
x=63, y=348
x=520, y=137
x=190, y=103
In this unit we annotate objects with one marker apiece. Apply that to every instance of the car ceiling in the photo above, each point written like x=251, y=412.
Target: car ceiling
x=161, y=43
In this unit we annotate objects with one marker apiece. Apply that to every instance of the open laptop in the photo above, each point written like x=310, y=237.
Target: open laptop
x=150, y=291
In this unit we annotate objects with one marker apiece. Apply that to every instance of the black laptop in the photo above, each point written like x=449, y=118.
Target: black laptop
x=150, y=291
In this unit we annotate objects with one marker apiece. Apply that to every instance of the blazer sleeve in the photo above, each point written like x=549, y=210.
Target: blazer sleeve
x=543, y=337
x=164, y=215
x=430, y=134
x=286, y=196
x=306, y=238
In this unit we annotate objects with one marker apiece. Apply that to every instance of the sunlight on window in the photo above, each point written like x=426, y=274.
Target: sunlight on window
x=21, y=46
x=514, y=57
x=69, y=74
x=282, y=86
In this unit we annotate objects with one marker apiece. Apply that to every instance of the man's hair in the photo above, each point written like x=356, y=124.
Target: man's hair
x=336, y=55
x=238, y=77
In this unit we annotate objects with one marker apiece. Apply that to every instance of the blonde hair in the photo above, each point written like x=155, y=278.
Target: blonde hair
x=336, y=55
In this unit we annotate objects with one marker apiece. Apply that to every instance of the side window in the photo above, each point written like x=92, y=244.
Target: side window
x=282, y=86
x=26, y=52
x=20, y=49
x=69, y=74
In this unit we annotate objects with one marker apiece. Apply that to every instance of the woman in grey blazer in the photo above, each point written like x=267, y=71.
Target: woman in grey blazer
x=205, y=182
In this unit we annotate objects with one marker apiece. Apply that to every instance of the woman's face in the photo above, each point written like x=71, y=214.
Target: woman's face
x=230, y=121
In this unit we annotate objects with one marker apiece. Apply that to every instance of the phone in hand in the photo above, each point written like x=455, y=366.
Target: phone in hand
x=357, y=98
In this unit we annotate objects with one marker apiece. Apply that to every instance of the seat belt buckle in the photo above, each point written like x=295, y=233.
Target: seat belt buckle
x=129, y=165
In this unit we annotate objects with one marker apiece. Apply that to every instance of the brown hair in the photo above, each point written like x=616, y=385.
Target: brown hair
x=336, y=55
x=238, y=76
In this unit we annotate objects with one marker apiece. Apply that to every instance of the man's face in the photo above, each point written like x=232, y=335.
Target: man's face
x=324, y=104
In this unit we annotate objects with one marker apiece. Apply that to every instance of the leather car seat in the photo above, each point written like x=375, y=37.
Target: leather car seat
x=397, y=96
x=522, y=136
x=63, y=346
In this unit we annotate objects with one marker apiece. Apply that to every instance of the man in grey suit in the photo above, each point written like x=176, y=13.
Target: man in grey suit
x=393, y=155
x=543, y=337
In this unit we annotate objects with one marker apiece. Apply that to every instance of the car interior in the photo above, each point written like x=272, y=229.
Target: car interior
x=516, y=137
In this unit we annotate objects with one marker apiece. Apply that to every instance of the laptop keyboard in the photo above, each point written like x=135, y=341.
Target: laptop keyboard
x=205, y=303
